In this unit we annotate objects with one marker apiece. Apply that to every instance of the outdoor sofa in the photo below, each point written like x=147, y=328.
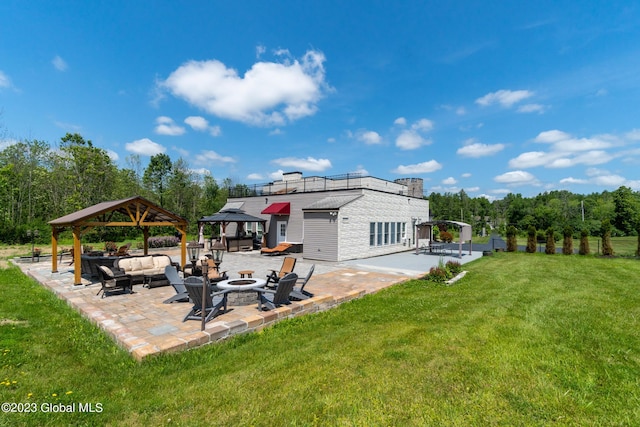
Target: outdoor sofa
x=149, y=267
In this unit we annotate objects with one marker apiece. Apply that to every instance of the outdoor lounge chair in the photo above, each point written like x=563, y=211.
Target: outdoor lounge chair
x=112, y=282
x=213, y=301
x=288, y=263
x=269, y=299
x=298, y=293
x=123, y=250
x=213, y=275
x=178, y=284
x=281, y=249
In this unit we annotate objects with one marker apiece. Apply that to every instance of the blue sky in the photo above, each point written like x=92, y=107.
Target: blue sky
x=489, y=97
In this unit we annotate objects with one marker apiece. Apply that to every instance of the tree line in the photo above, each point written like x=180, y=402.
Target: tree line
x=40, y=182
x=558, y=210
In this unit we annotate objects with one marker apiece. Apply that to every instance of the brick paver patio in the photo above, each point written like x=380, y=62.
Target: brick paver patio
x=144, y=326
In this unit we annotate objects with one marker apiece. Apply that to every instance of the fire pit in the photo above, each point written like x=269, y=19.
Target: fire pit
x=243, y=292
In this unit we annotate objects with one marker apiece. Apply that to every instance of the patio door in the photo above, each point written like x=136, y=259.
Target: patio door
x=282, y=231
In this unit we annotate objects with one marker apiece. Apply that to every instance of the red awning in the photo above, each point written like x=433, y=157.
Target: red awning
x=280, y=208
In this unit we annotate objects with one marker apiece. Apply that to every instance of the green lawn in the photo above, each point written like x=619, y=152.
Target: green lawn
x=521, y=340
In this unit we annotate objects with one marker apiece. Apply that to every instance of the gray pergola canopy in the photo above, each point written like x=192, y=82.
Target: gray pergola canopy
x=465, y=231
x=226, y=216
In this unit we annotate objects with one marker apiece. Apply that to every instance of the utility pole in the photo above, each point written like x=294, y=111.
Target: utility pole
x=582, y=208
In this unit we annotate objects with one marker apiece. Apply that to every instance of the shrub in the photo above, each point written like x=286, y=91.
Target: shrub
x=584, y=242
x=512, y=241
x=447, y=237
x=454, y=267
x=567, y=243
x=163, y=241
x=550, y=247
x=531, y=239
x=437, y=275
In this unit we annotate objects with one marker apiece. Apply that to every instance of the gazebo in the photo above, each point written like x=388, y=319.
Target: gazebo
x=425, y=231
x=135, y=212
x=224, y=218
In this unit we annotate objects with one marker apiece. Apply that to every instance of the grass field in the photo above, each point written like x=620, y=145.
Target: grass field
x=521, y=340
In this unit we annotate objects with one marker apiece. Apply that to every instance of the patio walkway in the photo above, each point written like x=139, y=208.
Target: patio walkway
x=144, y=326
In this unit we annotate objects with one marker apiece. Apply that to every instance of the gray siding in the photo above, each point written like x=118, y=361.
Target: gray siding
x=347, y=236
x=321, y=236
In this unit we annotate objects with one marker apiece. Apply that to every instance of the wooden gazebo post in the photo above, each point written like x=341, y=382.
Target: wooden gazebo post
x=77, y=255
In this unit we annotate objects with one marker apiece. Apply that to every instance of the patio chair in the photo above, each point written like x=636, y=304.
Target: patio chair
x=298, y=293
x=213, y=301
x=112, y=282
x=280, y=249
x=288, y=264
x=269, y=299
x=213, y=275
x=178, y=284
x=123, y=250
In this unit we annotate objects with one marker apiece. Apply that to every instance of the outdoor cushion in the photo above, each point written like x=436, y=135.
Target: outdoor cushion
x=146, y=262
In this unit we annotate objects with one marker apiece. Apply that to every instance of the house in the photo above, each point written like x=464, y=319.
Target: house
x=336, y=218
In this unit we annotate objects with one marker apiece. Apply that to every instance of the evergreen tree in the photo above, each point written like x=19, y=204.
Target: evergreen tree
x=605, y=231
x=567, y=244
x=550, y=248
x=531, y=239
x=584, y=242
x=512, y=241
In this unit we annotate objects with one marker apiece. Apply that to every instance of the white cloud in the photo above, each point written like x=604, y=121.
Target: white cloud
x=552, y=136
x=609, y=180
x=572, y=180
x=423, y=125
x=466, y=175
x=331, y=140
x=532, y=159
x=420, y=168
x=210, y=156
x=260, y=50
x=255, y=177
x=410, y=140
x=480, y=150
x=201, y=124
x=112, y=155
x=400, y=121
x=201, y=171
x=5, y=82
x=166, y=126
x=308, y=164
x=472, y=189
x=197, y=123
x=515, y=178
x=532, y=108
x=268, y=94
x=634, y=135
x=59, y=63
x=488, y=197
x=461, y=111
x=449, y=181
x=369, y=137
x=277, y=175
x=361, y=170
x=567, y=151
x=144, y=147
x=506, y=98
